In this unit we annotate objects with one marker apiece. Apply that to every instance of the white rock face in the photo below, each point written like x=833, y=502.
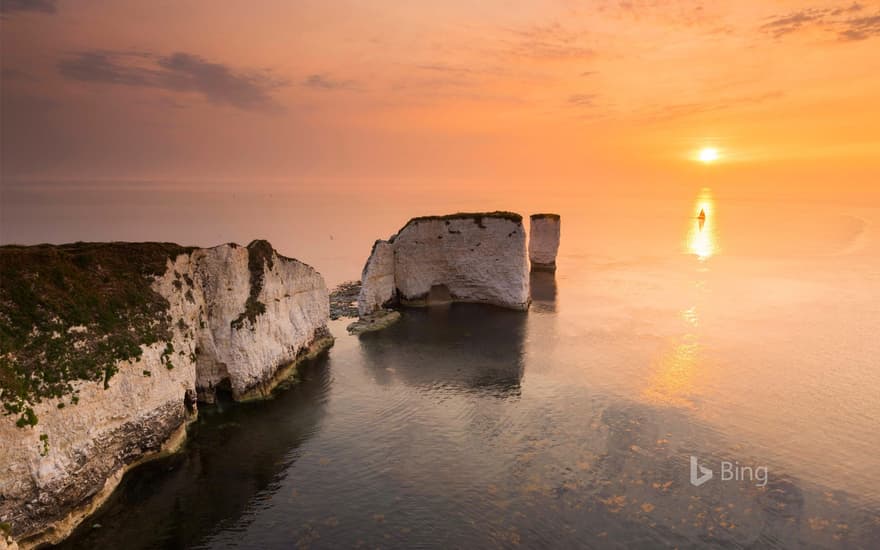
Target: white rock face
x=544, y=241
x=479, y=258
x=248, y=353
x=45, y=490
x=377, y=279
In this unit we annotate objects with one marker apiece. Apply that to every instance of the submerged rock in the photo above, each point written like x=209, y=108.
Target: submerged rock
x=468, y=257
x=544, y=241
x=110, y=343
x=377, y=320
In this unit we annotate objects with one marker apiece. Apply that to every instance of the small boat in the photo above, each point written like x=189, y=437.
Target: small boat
x=702, y=216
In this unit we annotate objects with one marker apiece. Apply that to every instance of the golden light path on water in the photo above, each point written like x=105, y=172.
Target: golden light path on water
x=673, y=382
x=675, y=370
x=702, y=239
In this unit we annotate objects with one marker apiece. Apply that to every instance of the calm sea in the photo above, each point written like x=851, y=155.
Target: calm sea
x=746, y=343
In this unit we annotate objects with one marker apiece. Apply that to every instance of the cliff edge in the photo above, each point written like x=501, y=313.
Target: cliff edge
x=105, y=349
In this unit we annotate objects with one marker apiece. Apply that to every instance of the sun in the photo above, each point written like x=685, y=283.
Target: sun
x=708, y=155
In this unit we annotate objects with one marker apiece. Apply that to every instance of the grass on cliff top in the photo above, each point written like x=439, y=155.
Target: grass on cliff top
x=476, y=217
x=70, y=312
x=512, y=216
x=544, y=215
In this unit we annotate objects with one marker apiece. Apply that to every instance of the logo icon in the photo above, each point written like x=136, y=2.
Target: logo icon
x=699, y=474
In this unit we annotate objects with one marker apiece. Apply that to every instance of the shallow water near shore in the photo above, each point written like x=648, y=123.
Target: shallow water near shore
x=746, y=338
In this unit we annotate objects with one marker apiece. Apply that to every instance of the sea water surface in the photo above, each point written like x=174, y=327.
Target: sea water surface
x=747, y=339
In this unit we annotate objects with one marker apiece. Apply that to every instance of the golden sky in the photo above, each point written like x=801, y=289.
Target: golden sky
x=565, y=93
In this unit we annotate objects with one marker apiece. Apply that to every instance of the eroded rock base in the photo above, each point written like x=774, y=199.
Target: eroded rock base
x=377, y=320
x=551, y=268
x=64, y=507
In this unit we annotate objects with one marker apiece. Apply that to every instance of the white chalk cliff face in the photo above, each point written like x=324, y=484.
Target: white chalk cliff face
x=544, y=241
x=245, y=351
x=239, y=317
x=478, y=258
x=377, y=279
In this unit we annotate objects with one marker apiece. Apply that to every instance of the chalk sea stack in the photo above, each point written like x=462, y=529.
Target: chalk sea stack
x=544, y=241
x=464, y=257
x=105, y=349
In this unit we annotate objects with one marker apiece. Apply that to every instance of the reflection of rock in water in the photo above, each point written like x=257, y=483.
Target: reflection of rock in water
x=467, y=346
x=234, y=452
x=543, y=289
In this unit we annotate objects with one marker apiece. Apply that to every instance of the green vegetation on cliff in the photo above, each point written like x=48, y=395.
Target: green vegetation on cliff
x=70, y=312
x=476, y=217
x=260, y=257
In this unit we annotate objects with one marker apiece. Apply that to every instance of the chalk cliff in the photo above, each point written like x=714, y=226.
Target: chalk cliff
x=470, y=257
x=104, y=348
x=377, y=279
x=544, y=241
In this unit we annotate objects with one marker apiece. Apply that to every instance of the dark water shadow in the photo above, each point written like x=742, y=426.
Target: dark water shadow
x=637, y=491
x=468, y=346
x=543, y=291
x=233, y=457
x=559, y=466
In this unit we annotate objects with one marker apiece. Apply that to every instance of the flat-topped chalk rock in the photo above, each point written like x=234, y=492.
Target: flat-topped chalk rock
x=544, y=241
x=110, y=344
x=466, y=257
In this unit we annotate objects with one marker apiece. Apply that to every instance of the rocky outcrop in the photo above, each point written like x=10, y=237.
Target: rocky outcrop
x=471, y=257
x=376, y=320
x=544, y=241
x=344, y=298
x=195, y=321
x=261, y=311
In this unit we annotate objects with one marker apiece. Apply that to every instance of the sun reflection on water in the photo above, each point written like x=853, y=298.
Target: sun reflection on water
x=675, y=370
x=702, y=239
x=673, y=381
